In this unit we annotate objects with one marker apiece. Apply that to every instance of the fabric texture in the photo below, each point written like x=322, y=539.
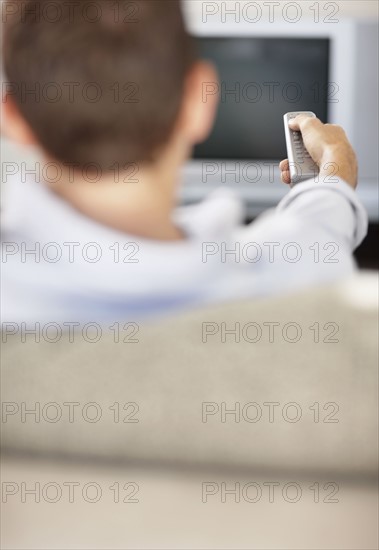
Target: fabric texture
x=182, y=363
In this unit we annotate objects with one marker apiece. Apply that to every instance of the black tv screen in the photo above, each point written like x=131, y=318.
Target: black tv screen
x=261, y=79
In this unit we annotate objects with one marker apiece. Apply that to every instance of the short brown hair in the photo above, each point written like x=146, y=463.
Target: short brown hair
x=99, y=82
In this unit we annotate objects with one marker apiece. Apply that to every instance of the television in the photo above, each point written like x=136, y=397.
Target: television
x=261, y=79
x=268, y=69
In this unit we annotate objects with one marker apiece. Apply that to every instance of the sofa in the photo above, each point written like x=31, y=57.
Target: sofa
x=242, y=425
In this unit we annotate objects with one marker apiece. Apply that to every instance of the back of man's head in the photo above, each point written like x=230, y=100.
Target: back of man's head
x=97, y=82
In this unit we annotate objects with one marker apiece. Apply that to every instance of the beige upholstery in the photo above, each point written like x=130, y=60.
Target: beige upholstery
x=171, y=372
x=171, y=514
x=171, y=453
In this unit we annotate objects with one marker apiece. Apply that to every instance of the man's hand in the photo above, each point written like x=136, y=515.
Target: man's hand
x=329, y=148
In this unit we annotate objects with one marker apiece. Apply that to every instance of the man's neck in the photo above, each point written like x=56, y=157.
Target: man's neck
x=142, y=207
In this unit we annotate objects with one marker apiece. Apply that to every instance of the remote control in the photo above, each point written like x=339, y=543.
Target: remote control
x=302, y=166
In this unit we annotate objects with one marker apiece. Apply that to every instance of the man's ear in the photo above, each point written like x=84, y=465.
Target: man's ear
x=13, y=126
x=200, y=102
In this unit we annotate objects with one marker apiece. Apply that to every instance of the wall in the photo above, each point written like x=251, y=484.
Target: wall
x=346, y=8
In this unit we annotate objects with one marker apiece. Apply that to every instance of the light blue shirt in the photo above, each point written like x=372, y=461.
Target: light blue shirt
x=59, y=266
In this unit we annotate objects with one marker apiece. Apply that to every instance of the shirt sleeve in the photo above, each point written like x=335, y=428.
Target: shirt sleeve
x=332, y=207
x=308, y=239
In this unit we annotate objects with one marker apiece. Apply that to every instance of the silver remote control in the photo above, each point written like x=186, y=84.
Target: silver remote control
x=302, y=166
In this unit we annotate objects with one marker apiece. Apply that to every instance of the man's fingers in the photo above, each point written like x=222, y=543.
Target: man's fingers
x=302, y=121
x=286, y=177
x=285, y=171
x=284, y=165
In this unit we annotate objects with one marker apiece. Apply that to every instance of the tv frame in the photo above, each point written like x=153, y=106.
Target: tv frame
x=346, y=40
